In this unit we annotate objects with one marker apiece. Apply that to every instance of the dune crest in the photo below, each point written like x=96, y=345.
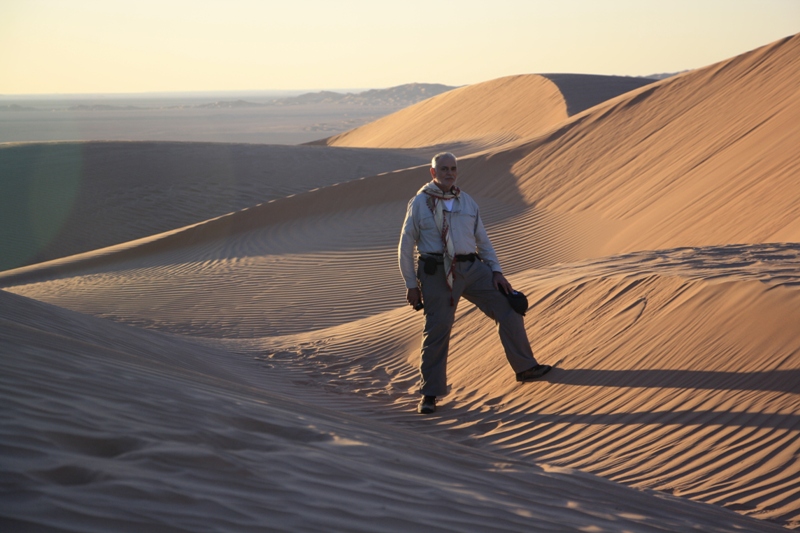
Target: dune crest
x=487, y=114
x=65, y=198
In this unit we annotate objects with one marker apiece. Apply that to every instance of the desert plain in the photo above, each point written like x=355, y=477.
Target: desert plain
x=214, y=337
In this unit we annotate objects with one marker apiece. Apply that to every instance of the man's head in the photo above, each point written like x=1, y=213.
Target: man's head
x=444, y=170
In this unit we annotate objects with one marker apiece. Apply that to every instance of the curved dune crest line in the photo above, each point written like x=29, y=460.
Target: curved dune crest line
x=583, y=91
x=322, y=202
x=287, y=224
x=280, y=268
x=489, y=113
x=284, y=275
x=61, y=199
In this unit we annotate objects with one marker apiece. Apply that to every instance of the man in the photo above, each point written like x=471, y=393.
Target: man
x=456, y=259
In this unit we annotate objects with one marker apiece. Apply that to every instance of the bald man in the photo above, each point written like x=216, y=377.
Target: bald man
x=455, y=258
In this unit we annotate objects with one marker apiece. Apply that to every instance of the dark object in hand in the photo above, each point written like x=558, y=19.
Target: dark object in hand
x=517, y=300
x=419, y=306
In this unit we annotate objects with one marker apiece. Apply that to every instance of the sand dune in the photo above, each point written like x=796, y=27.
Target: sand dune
x=488, y=114
x=205, y=447
x=655, y=235
x=60, y=199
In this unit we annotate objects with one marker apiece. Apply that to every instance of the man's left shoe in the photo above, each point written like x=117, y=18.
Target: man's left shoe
x=427, y=405
x=534, y=373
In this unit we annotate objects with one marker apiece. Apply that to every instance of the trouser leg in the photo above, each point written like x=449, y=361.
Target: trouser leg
x=480, y=290
x=439, y=317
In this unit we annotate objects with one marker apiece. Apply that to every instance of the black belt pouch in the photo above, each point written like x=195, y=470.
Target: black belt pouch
x=430, y=265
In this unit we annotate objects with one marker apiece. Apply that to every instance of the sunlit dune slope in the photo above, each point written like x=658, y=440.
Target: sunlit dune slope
x=148, y=432
x=489, y=113
x=707, y=157
x=651, y=232
x=60, y=199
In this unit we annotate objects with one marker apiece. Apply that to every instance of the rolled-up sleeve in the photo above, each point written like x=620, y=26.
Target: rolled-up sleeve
x=405, y=250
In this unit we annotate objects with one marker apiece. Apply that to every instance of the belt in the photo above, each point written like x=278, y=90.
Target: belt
x=459, y=258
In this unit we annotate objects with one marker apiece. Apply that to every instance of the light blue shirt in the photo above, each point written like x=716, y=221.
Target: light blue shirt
x=420, y=232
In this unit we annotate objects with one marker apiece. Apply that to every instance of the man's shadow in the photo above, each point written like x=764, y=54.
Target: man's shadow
x=780, y=381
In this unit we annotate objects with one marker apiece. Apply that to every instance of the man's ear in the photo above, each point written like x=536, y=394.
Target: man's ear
x=433, y=172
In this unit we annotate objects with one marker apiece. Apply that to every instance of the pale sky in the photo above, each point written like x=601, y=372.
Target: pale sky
x=120, y=46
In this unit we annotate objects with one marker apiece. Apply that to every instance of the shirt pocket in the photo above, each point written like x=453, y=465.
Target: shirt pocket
x=427, y=222
x=465, y=220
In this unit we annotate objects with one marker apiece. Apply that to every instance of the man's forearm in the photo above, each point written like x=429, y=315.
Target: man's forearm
x=405, y=258
x=485, y=248
x=405, y=250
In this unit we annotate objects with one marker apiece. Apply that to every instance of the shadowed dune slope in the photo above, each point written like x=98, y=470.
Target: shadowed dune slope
x=60, y=199
x=651, y=233
x=135, y=440
x=582, y=91
x=490, y=113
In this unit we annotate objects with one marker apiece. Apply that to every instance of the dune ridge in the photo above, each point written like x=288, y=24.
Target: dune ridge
x=655, y=235
x=488, y=114
x=61, y=199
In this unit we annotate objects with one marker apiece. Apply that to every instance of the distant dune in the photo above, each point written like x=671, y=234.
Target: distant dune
x=401, y=96
x=490, y=113
x=398, y=96
x=265, y=360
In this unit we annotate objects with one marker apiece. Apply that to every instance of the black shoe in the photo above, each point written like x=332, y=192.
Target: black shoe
x=427, y=405
x=533, y=373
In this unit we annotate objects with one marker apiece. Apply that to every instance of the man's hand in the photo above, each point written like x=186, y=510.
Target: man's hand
x=500, y=281
x=414, y=297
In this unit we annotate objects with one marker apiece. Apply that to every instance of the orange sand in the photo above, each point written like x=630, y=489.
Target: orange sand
x=257, y=369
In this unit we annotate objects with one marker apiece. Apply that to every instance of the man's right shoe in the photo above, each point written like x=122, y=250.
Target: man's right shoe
x=533, y=373
x=427, y=405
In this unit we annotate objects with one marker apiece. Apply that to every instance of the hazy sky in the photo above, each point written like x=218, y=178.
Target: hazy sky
x=103, y=46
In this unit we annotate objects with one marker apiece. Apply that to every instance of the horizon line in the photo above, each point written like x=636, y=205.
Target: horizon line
x=298, y=91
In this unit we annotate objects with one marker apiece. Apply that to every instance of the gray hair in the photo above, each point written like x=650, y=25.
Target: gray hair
x=439, y=156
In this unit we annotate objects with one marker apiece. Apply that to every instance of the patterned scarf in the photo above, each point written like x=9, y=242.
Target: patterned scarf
x=436, y=205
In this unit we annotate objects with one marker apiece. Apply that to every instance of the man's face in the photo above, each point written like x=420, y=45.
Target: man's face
x=445, y=173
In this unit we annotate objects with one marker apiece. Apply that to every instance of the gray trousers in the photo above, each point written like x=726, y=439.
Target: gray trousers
x=473, y=281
